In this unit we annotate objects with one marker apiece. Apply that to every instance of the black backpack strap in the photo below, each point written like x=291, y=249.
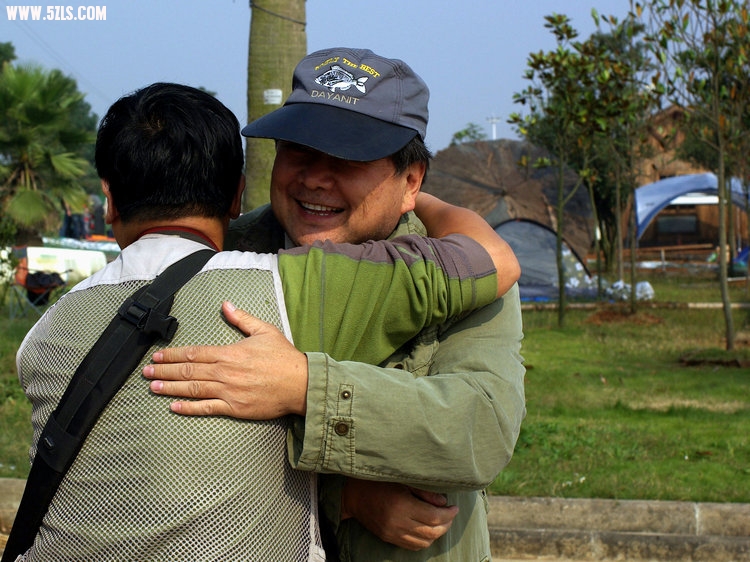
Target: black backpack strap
x=141, y=321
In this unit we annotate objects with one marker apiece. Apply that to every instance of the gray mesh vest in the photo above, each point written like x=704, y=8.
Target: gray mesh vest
x=152, y=485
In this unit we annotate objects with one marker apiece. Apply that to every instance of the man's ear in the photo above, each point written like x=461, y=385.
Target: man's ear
x=111, y=213
x=236, y=208
x=413, y=177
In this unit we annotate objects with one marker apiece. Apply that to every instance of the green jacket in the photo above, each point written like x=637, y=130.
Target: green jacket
x=442, y=414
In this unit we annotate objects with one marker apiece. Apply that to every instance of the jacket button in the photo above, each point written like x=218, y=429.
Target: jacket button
x=346, y=394
x=341, y=428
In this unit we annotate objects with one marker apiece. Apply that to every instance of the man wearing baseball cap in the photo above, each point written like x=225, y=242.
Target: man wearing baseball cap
x=404, y=450
x=351, y=104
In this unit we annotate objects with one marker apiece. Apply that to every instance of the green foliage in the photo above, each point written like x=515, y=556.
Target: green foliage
x=7, y=53
x=566, y=112
x=589, y=103
x=7, y=231
x=15, y=409
x=703, y=49
x=7, y=259
x=45, y=138
x=471, y=133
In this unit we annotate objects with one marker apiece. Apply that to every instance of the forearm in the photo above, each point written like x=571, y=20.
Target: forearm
x=450, y=431
x=362, y=302
x=434, y=447
x=442, y=219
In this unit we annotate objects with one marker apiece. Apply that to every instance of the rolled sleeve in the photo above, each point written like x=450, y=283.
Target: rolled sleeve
x=328, y=443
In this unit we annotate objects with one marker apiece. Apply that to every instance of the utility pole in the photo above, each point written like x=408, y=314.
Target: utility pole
x=493, y=120
x=277, y=42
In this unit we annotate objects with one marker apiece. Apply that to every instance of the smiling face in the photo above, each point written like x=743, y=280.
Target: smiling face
x=319, y=197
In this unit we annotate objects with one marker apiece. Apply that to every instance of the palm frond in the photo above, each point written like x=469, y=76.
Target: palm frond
x=28, y=208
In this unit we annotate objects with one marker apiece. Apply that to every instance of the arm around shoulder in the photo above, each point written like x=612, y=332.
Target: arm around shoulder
x=442, y=219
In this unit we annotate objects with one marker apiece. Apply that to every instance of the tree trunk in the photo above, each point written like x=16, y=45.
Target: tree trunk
x=633, y=256
x=731, y=233
x=618, y=229
x=597, y=242
x=278, y=41
x=746, y=190
x=559, y=228
x=723, y=269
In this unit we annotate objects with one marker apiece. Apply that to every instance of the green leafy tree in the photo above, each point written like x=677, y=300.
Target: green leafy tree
x=7, y=54
x=589, y=105
x=565, y=113
x=701, y=137
x=7, y=226
x=703, y=48
x=278, y=41
x=42, y=137
x=471, y=133
x=629, y=95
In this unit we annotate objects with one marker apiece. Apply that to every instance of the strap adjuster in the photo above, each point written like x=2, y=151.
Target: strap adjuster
x=147, y=320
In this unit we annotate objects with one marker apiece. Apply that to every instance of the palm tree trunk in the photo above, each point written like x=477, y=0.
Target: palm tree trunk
x=278, y=41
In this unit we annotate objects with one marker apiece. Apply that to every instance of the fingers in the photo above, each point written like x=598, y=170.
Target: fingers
x=180, y=371
x=430, y=520
x=258, y=377
x=205, y=405
x=192, y=389
x=201, y=408
x=196, y=354
x=438, y=500
x=425, y=525
x=204, y=393
x=247, y=323
x=432, y=525
x=188, y=355
x=397, y=514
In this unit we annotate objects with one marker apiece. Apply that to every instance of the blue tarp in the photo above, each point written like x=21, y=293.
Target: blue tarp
x=652, y=198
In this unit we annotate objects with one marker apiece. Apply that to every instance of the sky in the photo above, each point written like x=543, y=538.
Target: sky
x=472, y=54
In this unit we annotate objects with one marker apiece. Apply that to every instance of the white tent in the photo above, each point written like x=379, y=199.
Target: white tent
x=652, y=198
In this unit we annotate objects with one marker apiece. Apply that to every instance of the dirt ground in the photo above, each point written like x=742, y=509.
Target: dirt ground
x=601, y=317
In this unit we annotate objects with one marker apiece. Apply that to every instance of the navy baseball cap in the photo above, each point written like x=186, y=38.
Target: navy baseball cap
x=351, y=104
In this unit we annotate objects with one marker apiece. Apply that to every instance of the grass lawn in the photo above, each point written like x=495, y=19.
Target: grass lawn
x=615, y=411
x=614, y=408
x=15, y=410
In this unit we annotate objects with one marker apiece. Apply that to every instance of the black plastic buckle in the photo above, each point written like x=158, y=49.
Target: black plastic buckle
x=148, y=320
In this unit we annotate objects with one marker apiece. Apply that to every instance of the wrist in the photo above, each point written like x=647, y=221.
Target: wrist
x=302, y=377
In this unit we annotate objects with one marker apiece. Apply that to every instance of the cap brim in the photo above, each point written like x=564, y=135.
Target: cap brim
x=339, y=132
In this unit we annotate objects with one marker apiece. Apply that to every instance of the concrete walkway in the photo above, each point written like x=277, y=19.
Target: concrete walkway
x=633, y=530
x=563, y=530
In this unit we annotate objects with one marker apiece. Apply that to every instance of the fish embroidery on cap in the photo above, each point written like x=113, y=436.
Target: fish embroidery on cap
x=339, y=79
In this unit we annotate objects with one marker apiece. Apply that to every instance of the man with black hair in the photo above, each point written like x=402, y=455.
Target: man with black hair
x=150, y=485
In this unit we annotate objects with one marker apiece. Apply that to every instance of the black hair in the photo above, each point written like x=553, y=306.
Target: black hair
x=170, y=151
x=414, y=151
